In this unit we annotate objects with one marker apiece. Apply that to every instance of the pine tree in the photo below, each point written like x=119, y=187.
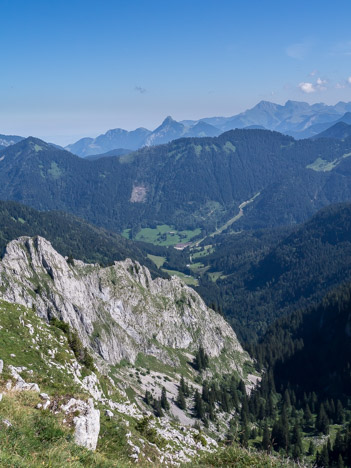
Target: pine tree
x=296, y=441
x=323, y=458
x=158, y=408
x=322, y=422
x=266, y=440
x=308, y=418
x=148, y=398
x=199, y=409
x=244, y=435
x=201, y=361
x=205, y=392
x=339, y=416
x=181, y=403
x=164, y=401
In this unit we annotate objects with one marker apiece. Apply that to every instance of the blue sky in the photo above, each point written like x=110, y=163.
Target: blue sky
x=78, y=68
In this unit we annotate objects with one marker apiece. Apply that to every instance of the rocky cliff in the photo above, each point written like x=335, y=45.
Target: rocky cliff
x=143, y=335
x=118, y=311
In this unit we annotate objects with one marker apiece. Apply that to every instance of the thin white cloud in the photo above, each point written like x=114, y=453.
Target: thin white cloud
x=349, y=80
x=341, y=48
x=321, y=84
x=340, y=86
x=307, y=88
x=299, y=50
x=140, y=90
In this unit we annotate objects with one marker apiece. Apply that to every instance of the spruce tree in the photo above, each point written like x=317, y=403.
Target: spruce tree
x=296, y=441
x=322, y=422
x=266, y=440
x=199, y=408
x=164, y=401
x=181, y=403
x=341, y=463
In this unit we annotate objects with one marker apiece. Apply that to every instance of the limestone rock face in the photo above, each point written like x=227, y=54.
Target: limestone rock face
x=87, y=423
x=118, y=311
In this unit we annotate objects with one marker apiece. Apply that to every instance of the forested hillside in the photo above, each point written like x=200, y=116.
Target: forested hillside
x=187, y=184
x=70, y=235
x=269, y=273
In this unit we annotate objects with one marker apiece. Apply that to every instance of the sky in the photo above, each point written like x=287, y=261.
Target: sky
x=77, y=68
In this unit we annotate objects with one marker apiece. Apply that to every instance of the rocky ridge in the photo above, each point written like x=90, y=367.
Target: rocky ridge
x=143, y=335
x=118, y=311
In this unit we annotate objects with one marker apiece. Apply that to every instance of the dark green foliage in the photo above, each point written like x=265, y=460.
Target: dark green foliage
x=158, y=408
x=181, y=403
x=199, y=411
x=184, y=387
x=266, y=439
x=143, y=426
x=70, y=260
x=270, y=273
x=201, y=360
x=164, y=401
x=73, y=237
x=311, y=350
x=322, y=422
x=148, y=398
x=197, y=174
x=60, y=324
x=81, y=353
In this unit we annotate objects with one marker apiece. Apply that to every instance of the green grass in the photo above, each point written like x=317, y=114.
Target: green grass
x=158, y=260
x=37, y=148
x=39, y=438
x=215, y=275
x=189, y=280
x=200, y=252
x=322, y=165
x=145, y=361
x=165, y=235
x=126, y=233
x=198, y=268
x=229, y=147
x=238, y=457
x=55, y=171
x=18, y=349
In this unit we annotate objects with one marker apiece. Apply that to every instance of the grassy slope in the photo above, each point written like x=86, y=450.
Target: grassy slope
x=43, y=438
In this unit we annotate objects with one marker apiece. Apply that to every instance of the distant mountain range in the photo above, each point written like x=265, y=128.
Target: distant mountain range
x=190, y=183
x=339, y=131
x=8, y=140
x=297, y=119
x=118, y=138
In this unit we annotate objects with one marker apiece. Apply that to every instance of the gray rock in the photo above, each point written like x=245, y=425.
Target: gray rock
x=20, y=384
x=125, y=310
x=87, y=424
x=1, y=366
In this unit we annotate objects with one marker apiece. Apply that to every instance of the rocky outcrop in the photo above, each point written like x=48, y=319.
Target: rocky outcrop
x=20, y=385
x=119, y=311
x=87, y=423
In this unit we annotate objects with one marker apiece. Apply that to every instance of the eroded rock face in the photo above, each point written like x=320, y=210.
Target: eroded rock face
x=119, y=311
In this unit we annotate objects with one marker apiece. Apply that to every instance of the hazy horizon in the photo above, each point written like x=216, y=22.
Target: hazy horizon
x=78, y=69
